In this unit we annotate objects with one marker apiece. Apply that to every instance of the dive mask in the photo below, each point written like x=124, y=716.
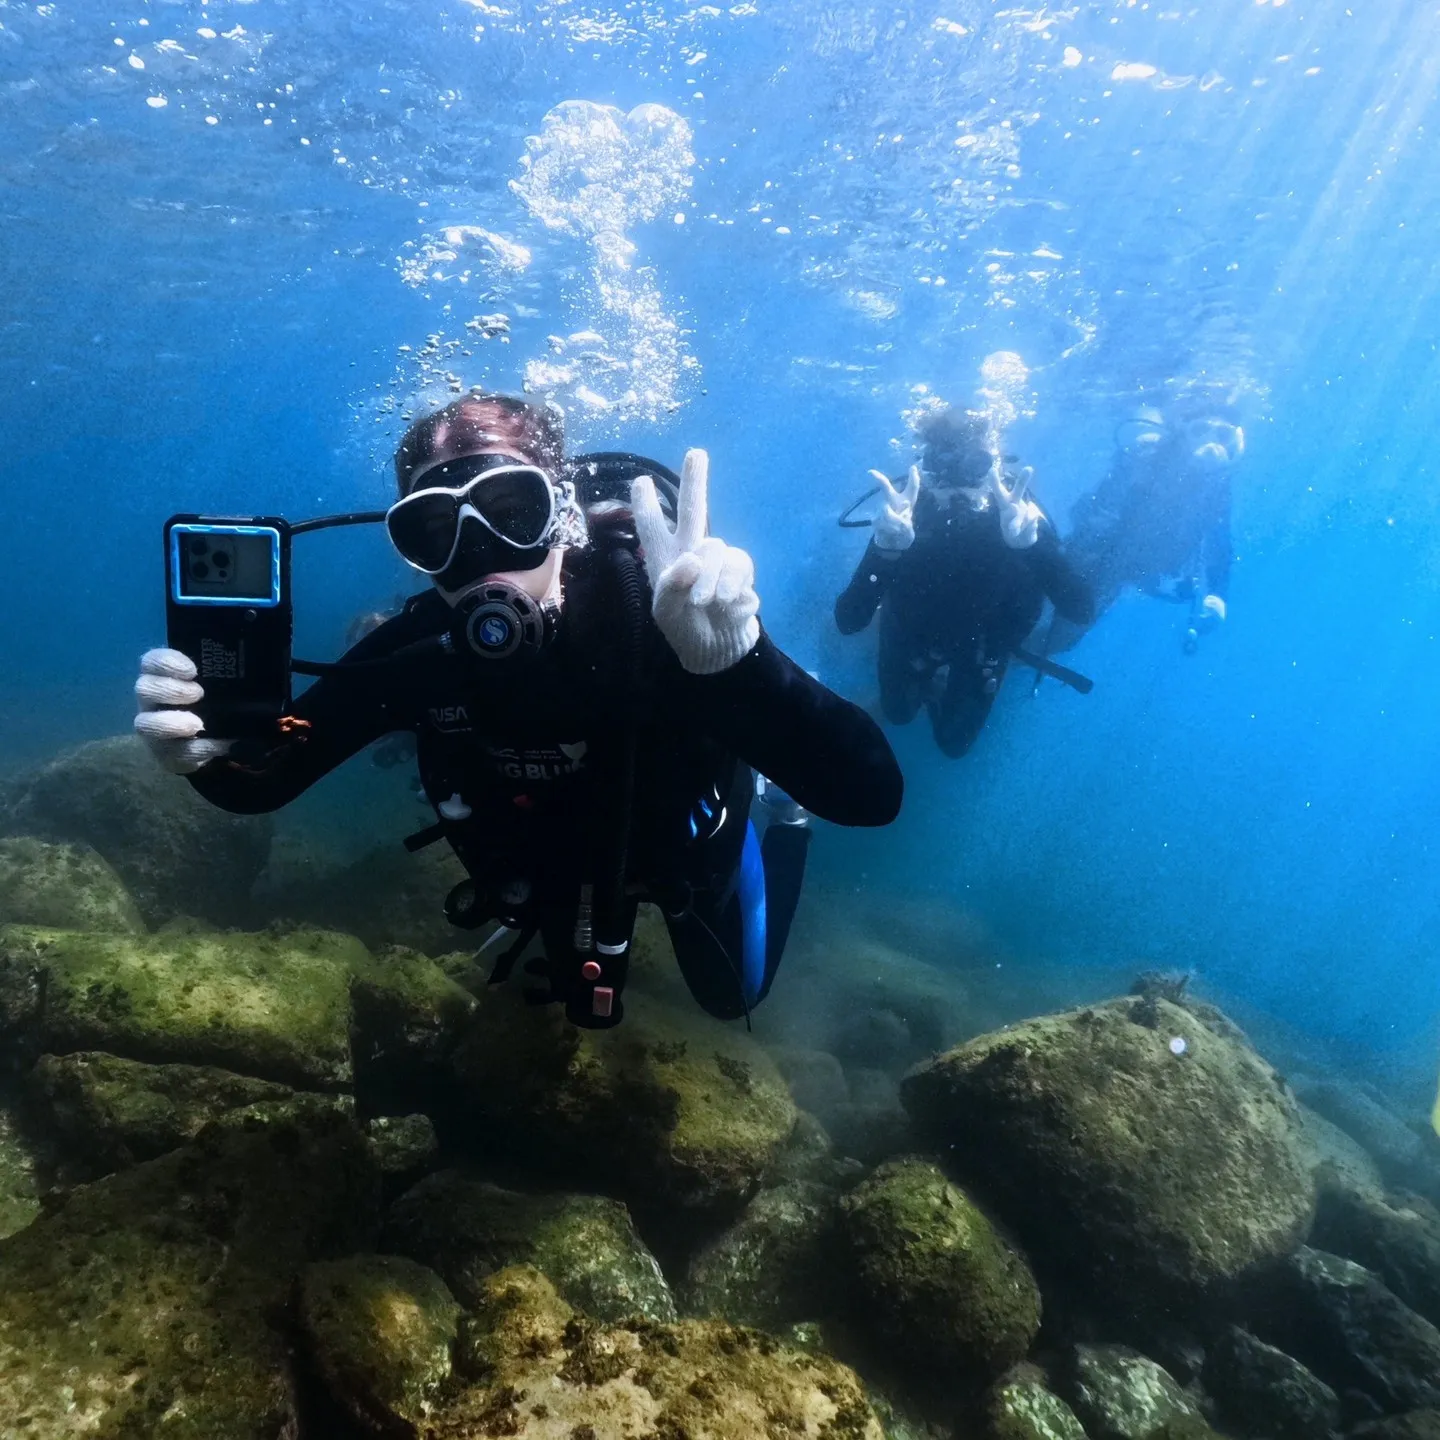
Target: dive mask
x=513, y=502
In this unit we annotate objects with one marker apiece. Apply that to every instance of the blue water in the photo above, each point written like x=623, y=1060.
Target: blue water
x=222, y=224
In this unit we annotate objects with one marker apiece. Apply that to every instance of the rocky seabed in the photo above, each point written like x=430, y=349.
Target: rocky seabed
x=285, y=1181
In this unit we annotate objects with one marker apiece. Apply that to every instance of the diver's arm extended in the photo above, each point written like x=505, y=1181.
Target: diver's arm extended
x=338, y=716
x=859, y=600
x=817, y=747
x=1067, y=590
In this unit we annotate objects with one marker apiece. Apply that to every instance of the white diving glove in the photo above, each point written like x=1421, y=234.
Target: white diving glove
x=1019, y=519
x=1206, y=616
x=165, y=691
x=705, y=600
x=894, y=527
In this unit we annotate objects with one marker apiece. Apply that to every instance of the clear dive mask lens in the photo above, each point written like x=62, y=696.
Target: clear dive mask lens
x=514, y=502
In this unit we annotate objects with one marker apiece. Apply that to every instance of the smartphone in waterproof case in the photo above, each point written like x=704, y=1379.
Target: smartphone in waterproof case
x=228, y=607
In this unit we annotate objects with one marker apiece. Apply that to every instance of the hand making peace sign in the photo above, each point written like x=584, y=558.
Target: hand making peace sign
x=705, y=601
x=894, y=526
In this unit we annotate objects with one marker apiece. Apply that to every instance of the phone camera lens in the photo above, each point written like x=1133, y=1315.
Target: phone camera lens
x=220, y=559
x=198, y=545
x=200, y=570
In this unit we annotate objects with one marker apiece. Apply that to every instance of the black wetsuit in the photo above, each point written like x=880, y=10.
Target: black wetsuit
x=1156, y=522
x=526, y=756
x=958, y=597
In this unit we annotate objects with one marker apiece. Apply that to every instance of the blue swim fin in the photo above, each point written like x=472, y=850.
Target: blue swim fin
x=752, y=914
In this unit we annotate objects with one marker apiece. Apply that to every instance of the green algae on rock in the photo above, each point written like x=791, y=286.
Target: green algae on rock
x=935, y=1283
x=526, y=1365
x=1023, y=1409
x=670, y=1108
x=69, y=887
x=143, y=1304
x=1119, y=1394
x=387, y=897
x=19, y=1190
x=107, y=1112
x=274, y=1005
x=585, y=1245
x=176, y=853
x=1129, y=1136
x=1396, y=1236
x=380, y=1328
x=769, y=1268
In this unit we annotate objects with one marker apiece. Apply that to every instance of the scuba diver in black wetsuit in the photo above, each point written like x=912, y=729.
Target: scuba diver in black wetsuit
x=1159, y=521
x=591, y=691
x=959, y=566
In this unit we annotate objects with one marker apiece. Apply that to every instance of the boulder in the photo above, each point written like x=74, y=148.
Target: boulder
x=1417, y=1425
x=407, y=1017
x=1120, y=1395
x=106, y=1112
x=1127, y=1138
x=1263, y=1391
x=403, y=1147
x=1363, y=1114
x=809, y=1154
x=387, y=897
x=176, y=853
x=144, y=1304
x=670, y=1108
x=1338, y=1161
x=273, y=1005
x=1341, y=1322
x=1396, y=1236
x=381, y=1329
x=19, y=1189
x=934, y=1284
x=467, y=1230
x=874, y=1126
x=525, y=1364
x=815, y=1078
x=68, y=887
x=771, y=1267
x=1023, y=1409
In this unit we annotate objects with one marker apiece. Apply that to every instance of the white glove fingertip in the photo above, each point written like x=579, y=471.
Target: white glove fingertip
x=166, y=725
x=174, y=664
x=161, y=692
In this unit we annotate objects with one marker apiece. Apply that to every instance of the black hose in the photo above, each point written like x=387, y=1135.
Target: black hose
x=611, y=911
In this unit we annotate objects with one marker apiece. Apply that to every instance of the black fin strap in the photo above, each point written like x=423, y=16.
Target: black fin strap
x=428, y=836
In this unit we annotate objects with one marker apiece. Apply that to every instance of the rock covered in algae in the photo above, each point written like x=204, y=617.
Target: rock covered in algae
x=19, y=1189
x=275, y=1005
x=1263, y=1391
x=144, y=1305
x=934, y=1281
x=1339, y=1162
x=380, y=1328
x=1119, y=1394
x=1417, y=1425
x=1023, y=1409
x=69, y=887
x=387, y=897
x=176, y=853
x=585, y=1245
x=404, y=1146
x=111, y=1112
x=1157, y=1148
x=1396, y=1236
x=1345, y=1325
x=670, y=1108
x=771, y=1267
x=525, y=1364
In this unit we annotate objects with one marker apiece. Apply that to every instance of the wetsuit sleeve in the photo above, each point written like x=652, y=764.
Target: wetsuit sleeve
x=1071, y=596
x=341, y=714
x=819, y=748
x=861, y=597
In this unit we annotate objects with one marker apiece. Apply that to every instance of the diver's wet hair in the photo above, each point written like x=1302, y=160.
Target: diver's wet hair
x=478, y=422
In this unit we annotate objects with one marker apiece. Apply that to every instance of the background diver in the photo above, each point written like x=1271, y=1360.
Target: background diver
x=605, y=753
x=959, y=565
x=1159, y=521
